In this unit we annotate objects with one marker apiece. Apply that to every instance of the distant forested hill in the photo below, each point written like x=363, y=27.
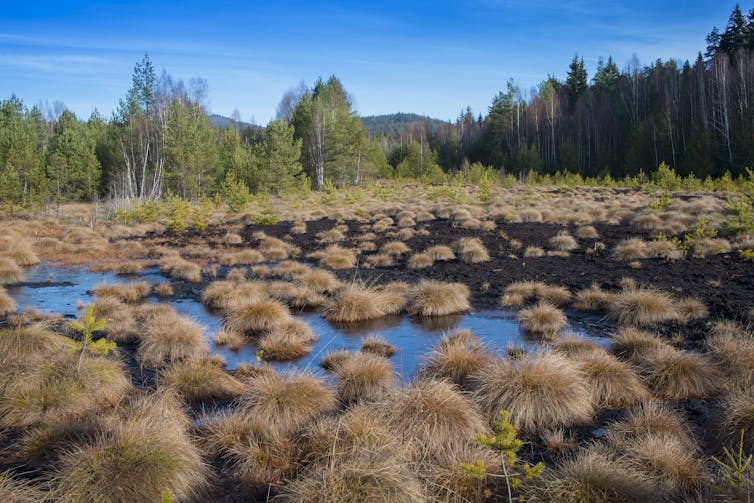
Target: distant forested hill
x=395, y=124
x=221, y=122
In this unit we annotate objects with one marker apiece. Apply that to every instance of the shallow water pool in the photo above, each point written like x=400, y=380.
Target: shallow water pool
x=56, y=290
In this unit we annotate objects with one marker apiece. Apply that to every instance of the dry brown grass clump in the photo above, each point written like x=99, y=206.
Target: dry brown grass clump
x=587, y=232
x=634, y=345
x=593, y=475
x=436, y=298
x=334, y=358
x=354, y=303
x=666, y=459
x=393, y=297
x=179, y=268
x=318, y=280
x=613, y=383
x=258, y=316
x=169, y=338
x=642, y=306
x=163, y=289
x=17, y=490
x=395, y=248
x=543, y=320
x=541, y=391
x=472, y=251
x=377, y=345
x=285, y=343
x=286, y=402
x=10, y=272
x=458, y=356
x=242, y=257
x=573, y=346
x=364, y=377
x=737, y=414
x=19, y=250
x=336, y=257
x=432, y=413
x=593, y=299
x=228, y=338
x=733, y=351
x=520, y=293
x=129, y=293
x=141, y=457
x=678, y=375
x=534, y=252
x=298, y=227
x=7, y=304
x=563, y=242
x=201, y=380
x=631, y=249
x=650, y=418
x=27, y=345
x=361, y=478
x=380, y=260
x=440, y=253
x=420, y=261
x=54, y=390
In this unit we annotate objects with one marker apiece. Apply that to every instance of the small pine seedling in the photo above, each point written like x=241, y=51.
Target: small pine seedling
x=87, y=327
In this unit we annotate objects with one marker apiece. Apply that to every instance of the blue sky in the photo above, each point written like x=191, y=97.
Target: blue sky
x=429, y=57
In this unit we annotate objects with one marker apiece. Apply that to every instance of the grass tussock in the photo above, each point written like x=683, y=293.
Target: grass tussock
x=420, y=261
x=334, y=358
x=179, y=268
x=563, y=242
x=10, y=272
x=7, y=303
x=613, y=383
x=28, y=345
x=283, y=345
x=440, y=253
x=364, y=377
x=594, y=474
x=593, y=299
x=634, y=345
x=573, y=346
x=18, y=490
x=458, y=356
x=361, y=478
x=737, y=414
x=678, y=375
x=650, y=418
x=396, y=248
x=436, y=298
x=336, y=257
x=631, y=249
x=286, y=402
x=354, y=303
x=377, y=345
x=642, y=306
x=520, y=293
x=143, y=456
x=472, y=251
x=54, y=390
x=129, y=293
x=257, y=316
x=318, y=280
x=170, y=338
x=733, y=351
x=543, y=320
x=200, y=380
x=430, y=413
x=541, y=391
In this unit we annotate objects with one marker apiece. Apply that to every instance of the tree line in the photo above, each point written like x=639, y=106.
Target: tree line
x=696, y=117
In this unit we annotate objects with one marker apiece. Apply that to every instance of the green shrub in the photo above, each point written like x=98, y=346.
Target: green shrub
x=236, y=193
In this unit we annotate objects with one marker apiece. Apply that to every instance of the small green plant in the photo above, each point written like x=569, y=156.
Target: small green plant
x=506, y=441
x=747, y=255
x=664, y=203
x=87, y=327
x=236, y=193
x=742, y=216
x=200, y=215
x=737, y=472
x=701, y=232
x=484, y=192
x=167, y=497
x=179, y=212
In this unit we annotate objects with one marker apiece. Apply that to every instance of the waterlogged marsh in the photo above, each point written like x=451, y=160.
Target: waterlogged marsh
x=58, y=290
